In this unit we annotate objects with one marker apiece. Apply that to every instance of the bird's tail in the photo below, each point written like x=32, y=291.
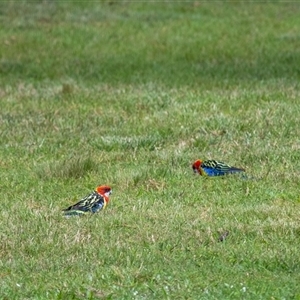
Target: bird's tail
x=236, y=170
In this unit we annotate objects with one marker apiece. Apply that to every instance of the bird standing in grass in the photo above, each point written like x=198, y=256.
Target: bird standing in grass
x=92, y=203
x=214, y=168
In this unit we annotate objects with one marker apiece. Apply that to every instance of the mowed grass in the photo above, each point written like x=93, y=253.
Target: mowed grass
x=130, y=94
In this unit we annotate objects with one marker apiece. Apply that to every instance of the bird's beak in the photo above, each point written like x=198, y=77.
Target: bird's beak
x=195, y=170
x=108, y=193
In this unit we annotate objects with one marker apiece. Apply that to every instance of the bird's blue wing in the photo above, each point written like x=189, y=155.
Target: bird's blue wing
x=91, y=203
x=97, y=206
x=213, y=171
x=217, y=168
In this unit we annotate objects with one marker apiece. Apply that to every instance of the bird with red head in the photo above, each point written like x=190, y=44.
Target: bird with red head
x=214, y=168
x=92, y=203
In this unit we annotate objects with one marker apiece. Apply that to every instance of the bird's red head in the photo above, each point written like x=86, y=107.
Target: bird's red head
x=104, y=190
x=196, y=166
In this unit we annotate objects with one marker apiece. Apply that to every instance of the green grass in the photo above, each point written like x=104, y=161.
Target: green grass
x=130, y=94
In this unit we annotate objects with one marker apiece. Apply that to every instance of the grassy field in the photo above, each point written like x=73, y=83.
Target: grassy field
x=130, y=94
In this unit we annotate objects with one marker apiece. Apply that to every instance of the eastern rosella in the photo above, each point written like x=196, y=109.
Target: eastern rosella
x=214, y=168
x=92, y=203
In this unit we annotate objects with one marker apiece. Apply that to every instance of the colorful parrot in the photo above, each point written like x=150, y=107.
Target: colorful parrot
x=92, y=203
x=214, y=168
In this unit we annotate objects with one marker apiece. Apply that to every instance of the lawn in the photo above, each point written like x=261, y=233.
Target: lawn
x=129, y=94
